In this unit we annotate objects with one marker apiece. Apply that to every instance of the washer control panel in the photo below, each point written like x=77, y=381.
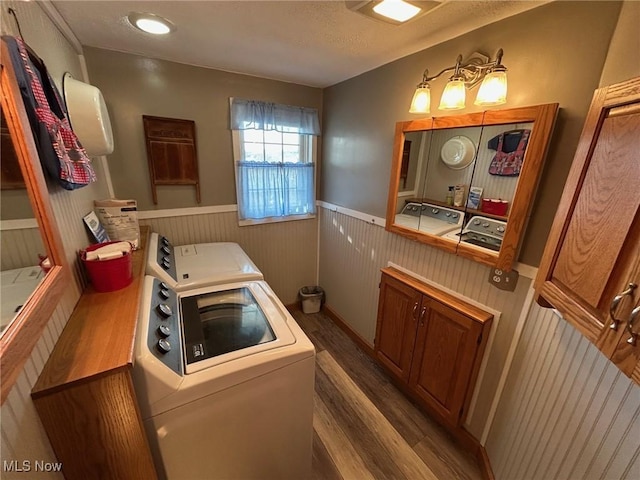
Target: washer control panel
x=165, y=257
x=163, y=337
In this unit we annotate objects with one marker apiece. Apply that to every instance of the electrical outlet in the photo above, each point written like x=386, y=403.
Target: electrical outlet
x=504, y=280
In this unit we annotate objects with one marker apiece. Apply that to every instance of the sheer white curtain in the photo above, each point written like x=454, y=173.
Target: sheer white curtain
x=278, y=180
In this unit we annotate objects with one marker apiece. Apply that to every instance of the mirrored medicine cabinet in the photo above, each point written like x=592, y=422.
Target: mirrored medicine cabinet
x=466, y=183
x=27, y=321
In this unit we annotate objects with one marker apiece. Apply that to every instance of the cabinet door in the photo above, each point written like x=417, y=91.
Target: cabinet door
x=398, y=311
x=594, y=242
x=444, y=359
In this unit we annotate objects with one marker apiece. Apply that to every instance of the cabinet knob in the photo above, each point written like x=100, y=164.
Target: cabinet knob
x=616, y=301
x=632, y=318
x=413, y=312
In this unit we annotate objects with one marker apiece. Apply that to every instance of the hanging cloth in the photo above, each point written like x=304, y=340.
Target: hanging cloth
x=508, y=163
x=61, y=154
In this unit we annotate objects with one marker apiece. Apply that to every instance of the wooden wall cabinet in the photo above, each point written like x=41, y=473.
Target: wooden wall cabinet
x=590, y=270
x=431, y=342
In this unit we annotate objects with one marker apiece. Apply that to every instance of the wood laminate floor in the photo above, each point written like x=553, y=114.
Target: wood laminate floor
x=364, y=427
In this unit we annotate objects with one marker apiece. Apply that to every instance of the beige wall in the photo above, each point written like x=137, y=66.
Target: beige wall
x=554, y=53
x=623, y=59
x=134, y=86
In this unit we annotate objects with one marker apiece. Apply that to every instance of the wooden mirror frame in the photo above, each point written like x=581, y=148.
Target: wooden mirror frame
x=543, y=119
x=20, y=337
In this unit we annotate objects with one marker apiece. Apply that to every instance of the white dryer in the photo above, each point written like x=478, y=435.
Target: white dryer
x=186, y=267
x=224, y=377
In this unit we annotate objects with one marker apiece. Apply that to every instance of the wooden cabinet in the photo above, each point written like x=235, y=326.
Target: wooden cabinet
x=590, y=270
x=85, y=395
x=432, y=342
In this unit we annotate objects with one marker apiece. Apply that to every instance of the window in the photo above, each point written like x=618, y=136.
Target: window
x=274, y=155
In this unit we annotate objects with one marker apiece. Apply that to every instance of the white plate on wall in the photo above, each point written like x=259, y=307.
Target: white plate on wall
x=458, y=152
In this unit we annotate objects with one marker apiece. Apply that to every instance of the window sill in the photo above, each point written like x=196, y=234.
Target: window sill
x=289, y=218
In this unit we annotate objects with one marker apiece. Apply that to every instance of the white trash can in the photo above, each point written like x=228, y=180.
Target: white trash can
x=312, y=298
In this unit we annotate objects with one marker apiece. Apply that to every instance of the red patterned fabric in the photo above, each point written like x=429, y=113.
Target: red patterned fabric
x=75, y=166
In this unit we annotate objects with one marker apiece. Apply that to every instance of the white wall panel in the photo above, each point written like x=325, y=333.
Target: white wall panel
x=567, y=411
x=285, y=252
x=20, y=248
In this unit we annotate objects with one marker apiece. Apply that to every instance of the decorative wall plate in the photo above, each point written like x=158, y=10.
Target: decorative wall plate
x=458, y=152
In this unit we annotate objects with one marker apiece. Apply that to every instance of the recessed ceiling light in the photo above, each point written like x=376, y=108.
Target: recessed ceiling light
x=150, y=23
x=385, y=10
x=397, y=10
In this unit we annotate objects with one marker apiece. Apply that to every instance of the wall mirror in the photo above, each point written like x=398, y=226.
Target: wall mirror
x=25, y=327
x=466, y=183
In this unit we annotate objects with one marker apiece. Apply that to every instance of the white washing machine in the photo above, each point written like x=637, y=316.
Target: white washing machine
x=225, y=378
x=186, y=267
x=432, y=219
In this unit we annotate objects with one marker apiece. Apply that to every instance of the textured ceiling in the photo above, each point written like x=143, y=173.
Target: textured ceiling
x=315, y=43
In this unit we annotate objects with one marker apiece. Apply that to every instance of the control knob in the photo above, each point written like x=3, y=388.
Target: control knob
x=164, y=294
x=164, y=330
x=164, y=310
x=163, y=286
x=165, y=241
x=164, y=346
x=166, y=250
x=500, y=229
x=434, y=210
x=476, y=222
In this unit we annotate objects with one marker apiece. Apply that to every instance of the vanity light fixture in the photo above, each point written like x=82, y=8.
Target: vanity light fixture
x=493, y=90
x=150, y=23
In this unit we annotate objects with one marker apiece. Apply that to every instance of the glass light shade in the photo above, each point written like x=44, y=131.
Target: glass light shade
x=493, y=90
x=150, y=23
x=421, y=102
x=397, y=10
x=453, y=97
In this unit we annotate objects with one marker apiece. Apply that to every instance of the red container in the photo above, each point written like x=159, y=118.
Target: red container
x=108, y=275
x=495, y=207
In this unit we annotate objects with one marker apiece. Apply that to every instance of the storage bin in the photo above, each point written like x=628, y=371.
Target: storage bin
x=495, y=206
x=108, y=275
x=312, y=298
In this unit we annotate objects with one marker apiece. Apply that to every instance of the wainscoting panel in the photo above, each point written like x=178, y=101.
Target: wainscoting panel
x=353, y=251
x=567, y=412
x=285, y=252
x=19, y=248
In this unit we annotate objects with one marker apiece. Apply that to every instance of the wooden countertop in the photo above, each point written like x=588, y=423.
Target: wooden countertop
x=99, y=336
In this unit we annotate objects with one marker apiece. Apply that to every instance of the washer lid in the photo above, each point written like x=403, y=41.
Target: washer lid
x=458, y=152
x=225, y=323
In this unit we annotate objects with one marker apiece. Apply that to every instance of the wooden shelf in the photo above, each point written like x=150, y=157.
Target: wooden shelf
x=85, y=395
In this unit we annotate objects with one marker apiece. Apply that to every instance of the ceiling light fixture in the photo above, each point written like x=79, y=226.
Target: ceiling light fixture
x=478, y=68
x=150, y=23
x=397, y=10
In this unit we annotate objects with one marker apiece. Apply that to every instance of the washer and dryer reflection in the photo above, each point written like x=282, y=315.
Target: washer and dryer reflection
x=224, y=377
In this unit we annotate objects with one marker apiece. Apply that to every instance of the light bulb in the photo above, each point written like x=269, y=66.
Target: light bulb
x=453, y=97
x=421, y=102
x=493, y=90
